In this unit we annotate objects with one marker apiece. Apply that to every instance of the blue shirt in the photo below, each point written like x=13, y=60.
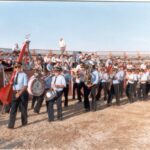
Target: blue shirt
x=67, y=77
x=21, y=81
x=48, y=81
x=95, y=77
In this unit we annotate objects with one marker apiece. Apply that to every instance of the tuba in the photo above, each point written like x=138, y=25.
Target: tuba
x=88, y=70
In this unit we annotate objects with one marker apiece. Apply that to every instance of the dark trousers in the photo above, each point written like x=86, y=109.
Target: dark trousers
x=105, y=86
x=99, y=89
x=121, y=88
x=7, y=108
x=38, y=100
x=34, y=99
x=46, y=102
x=147, y=88
x=75, y=87
x=66, y=92
x=135, y=89
x=80, y=86
x=86, y=97
x=114, y=91
x=58, y=101
x=93, y=95
x=142, y=93
x=22, y=104
x=130, y=92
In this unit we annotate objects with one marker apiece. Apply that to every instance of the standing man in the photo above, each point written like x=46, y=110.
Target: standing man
x=114, y=87
x=62, y=45
x=75, y=84
x=58, y=84
x=121, y=75
x=37, y=100
x=90, y=87
x=66, y=89
x=94, y=86
x=105, y=83
x=143, y=81
x=20, y=97
x=130, y=85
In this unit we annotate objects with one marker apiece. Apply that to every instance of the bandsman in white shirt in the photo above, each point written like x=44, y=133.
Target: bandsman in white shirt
x=58, y=84
x=80, y=79
x=90, y=87
x=148, y=81
x=114, y=87
x=121, y=75
x=105, y=83
x=99, y=89
x=137, y=75
x=130, y=85
x=143, y=82
x=94, y=86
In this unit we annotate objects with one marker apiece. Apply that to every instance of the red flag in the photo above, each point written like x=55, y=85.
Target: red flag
x=7, y=91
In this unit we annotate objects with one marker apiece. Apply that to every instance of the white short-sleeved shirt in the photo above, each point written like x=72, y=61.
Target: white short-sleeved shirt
x=131, y=78
x=144, y=77
x=105, y=77
x=59, y=80
x=117, y=78
x=121, y=75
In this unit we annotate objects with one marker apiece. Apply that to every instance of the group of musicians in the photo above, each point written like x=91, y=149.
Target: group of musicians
x=88, y=80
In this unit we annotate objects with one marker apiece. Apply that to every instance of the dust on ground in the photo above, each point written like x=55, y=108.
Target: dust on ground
x=109, y=128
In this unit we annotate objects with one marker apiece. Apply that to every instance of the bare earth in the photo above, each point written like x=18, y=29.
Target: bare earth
x=113, y=128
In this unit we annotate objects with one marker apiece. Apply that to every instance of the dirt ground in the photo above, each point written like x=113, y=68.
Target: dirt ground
x=122, y=127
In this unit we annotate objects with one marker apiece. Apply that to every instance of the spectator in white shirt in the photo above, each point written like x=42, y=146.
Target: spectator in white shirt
x=62, y=45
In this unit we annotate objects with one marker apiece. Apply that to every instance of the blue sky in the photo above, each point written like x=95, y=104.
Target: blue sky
x=94, y=26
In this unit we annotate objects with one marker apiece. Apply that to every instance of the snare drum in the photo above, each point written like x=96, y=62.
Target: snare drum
x=51, y=94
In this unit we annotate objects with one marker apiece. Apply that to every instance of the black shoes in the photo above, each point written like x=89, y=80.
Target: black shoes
x=50, y=120
x=36, y=111
x=109, y=104
x=9, y=127
x=65, y=105
x=24, y=124
x=87, y=110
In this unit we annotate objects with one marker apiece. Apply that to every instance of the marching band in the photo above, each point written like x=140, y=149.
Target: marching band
x=85, y=77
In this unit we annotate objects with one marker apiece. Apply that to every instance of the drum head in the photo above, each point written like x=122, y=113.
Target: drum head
x=36, y=87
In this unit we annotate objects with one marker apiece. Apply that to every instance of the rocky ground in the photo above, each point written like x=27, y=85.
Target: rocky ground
x=109, y=128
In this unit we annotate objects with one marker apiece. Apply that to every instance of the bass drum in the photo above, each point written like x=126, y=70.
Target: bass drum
x=36, y=86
